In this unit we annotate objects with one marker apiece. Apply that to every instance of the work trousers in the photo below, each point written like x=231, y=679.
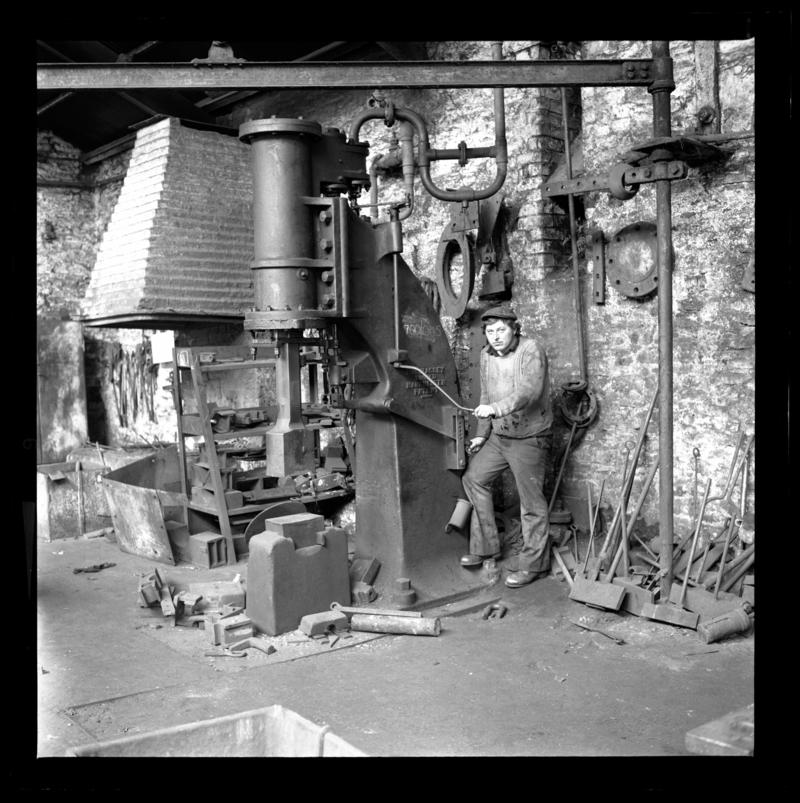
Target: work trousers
x=527, y=459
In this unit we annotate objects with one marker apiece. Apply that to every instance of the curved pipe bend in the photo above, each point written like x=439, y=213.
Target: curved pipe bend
x=424, y=160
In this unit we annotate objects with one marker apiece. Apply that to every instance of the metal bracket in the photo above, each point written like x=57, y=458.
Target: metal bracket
x=598, y=267
x=630, y=177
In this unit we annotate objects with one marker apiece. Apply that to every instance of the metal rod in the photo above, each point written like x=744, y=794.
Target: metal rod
x=396, y=273
x=732, y=564
x=611, y=535
x=661, y=89
x=561, y=469
x=332, y=75
x=640, y=502
x=721, y=571
x=573, y=236
x=593, y=519
x=434, y=384
x=694, y=543
x=743, y=569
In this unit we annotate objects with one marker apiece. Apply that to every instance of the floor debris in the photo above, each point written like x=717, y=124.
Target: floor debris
x=97, y=567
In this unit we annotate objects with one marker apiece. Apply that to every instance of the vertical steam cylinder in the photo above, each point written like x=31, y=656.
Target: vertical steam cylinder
x=284, y=233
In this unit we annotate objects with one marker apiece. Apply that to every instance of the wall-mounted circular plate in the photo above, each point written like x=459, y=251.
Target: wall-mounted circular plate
x=452, y=243
x=632, y=260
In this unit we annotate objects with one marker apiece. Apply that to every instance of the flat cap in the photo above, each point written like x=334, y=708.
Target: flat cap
x=500, y=312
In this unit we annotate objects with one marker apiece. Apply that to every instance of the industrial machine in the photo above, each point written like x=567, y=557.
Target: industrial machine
x=332, y=290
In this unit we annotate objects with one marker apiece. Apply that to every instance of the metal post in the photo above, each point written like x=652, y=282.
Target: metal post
x=660, y=89
x=573, y=235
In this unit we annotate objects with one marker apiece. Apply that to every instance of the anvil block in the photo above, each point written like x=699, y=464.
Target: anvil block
x=285, y=583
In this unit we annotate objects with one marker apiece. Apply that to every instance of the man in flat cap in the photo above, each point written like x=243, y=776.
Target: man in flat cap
x=514, y=431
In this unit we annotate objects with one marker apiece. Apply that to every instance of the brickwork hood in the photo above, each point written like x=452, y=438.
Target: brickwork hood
x=180, y=239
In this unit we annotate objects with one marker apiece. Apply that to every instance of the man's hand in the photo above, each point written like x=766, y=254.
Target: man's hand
x=483, y=411
x=475, y=444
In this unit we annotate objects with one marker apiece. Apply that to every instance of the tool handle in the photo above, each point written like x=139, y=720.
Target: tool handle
x=721, y=570
x=628, y=481
x=694, y=543
x=562, y=565
x=561, y=469
x=739, y=572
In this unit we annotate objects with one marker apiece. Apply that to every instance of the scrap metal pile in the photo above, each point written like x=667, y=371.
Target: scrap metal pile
x=218, y=609
x=713, y=586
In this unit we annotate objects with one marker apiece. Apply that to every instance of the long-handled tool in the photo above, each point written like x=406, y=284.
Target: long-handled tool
x=721, y=571
x=640, y=502
x=611, y=534
x=739, y=444
x=743, y=568
x=694, y=543
x=727, y=504
x=590, y=550
x=628, y=483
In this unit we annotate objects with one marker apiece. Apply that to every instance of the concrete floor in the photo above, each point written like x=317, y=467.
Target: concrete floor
x=529, y=684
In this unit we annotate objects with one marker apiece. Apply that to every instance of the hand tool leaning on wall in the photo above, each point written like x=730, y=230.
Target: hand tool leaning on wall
x=627, y=484
x=735, y=516
x=602, y=593
x=585, y=414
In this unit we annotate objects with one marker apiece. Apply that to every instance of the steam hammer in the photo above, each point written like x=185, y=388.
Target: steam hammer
x=331, y=283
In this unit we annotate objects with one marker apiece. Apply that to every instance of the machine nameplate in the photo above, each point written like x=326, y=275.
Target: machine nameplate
x=423, y=389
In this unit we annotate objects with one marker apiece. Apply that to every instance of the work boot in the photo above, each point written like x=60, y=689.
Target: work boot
x=477, y=560
x=522, y=578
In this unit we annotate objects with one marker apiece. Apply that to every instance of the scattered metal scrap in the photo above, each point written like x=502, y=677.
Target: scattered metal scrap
x=494, y=611
x=599, y=630
x=97, y=567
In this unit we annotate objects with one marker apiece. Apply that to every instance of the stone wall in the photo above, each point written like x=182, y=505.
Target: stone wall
x=712, y=234
x=713, y=317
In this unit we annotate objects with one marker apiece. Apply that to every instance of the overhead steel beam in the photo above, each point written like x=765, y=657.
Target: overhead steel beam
x=339, y=75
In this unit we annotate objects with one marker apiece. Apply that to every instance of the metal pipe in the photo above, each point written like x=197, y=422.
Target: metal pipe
x=426, y=155
x=373, y=191
x=404, y=625
x=339, y=75
x=573, y=235
x=396, y=300
x=405, y=136
x=500, y=155
x=661, y=88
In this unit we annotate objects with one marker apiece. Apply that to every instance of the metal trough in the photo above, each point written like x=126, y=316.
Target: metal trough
x=270, y=732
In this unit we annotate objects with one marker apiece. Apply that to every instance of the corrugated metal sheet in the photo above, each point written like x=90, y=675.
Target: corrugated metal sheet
x=180, y=239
